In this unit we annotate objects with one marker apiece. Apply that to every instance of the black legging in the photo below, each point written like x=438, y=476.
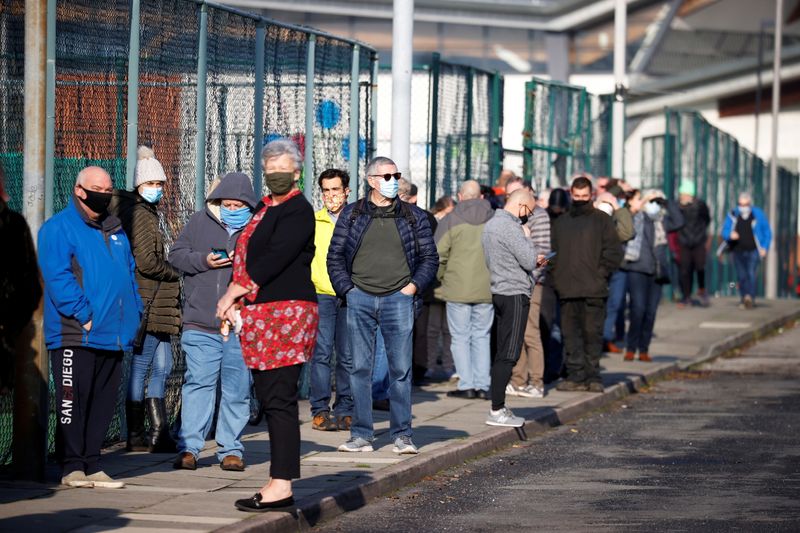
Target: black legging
x=511, y=317
x=692, y=260
x=276, y=390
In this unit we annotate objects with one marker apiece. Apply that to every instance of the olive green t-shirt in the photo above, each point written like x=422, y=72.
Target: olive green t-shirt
x=380, y=266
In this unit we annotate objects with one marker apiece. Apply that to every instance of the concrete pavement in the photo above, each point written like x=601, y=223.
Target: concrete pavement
x=447, y=431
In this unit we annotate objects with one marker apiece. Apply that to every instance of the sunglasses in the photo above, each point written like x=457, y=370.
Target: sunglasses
x=387, y=177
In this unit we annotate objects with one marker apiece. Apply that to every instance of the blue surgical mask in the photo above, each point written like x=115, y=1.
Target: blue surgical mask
x=388, y=189
x=621, y=202
x=235, y=218
x=152, y=194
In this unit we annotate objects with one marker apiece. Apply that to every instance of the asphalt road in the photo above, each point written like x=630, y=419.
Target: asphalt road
x=713, y=450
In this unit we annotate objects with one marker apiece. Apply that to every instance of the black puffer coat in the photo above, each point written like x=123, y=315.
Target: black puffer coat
x=140, y=222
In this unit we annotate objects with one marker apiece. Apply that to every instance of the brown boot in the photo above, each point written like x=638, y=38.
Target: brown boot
x=629, y=356
x=644, y=357
x=613, y=348
x=344, y=422
x=324, y=422
x=232, y=463
x=185, y=461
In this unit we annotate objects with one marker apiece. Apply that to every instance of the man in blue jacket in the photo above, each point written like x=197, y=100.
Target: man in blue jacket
x=747, y=231
x=381, y=257
x=92, y=311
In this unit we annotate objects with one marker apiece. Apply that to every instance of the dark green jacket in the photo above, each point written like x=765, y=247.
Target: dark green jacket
x=140, y=222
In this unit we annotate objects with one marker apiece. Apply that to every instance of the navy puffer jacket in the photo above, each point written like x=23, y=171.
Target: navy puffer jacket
x=420, y=252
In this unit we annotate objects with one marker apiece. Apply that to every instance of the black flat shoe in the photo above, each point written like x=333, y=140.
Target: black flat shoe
x=255, y=505
x=466, y=393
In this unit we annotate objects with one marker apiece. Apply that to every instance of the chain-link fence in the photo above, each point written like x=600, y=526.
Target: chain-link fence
x=567, y=130
x=692, y=149
x=465, y=117
x=182, y=46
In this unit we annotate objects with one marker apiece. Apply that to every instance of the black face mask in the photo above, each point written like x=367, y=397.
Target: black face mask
x=96, y=201
x=523, y=219
x=580, y=203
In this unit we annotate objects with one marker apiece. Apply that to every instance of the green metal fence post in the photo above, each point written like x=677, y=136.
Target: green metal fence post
x=133, y=94
x=200, y=140
x=308, y=165
x=434, y=139
x=527, y=136
x=354, y=120
x=468, y=150
x=258, y=97
x=669, y=143
x=50, y=112
x=496, y=150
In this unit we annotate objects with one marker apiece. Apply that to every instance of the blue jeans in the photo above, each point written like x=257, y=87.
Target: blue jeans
x=332, y=331
x=614, y=327
x=746, y=267
x=470, y=328
x=209, y=360
x=645, y=297
x=393, y=315
x=156, y=356
x=380, y=373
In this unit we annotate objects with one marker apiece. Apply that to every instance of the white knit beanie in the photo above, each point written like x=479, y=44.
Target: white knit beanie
x=147, y=167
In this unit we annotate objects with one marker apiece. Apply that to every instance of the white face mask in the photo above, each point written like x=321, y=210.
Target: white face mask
x=745, y=210
x=652, y=209
x=606, y=208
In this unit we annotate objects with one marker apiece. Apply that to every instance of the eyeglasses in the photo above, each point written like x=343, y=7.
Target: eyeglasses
x=387, y=177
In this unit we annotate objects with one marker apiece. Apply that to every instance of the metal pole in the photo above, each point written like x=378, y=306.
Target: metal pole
x=354, y=120
x=468, y=147
x=200, y=140
x=373, y=109
x=618, y=132
x=31, y=403
x=258, y=133
x=133, y=95
x=402, y=58
x=757, y=111
x=434, y=135
x=308, y=174
x=50, y=110
x=772, y=255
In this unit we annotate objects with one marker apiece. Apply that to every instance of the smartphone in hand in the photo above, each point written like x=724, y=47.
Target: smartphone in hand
x=221, y=252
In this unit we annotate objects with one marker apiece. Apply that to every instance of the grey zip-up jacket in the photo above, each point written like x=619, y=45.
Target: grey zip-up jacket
x=510, y=256
x=202, y=285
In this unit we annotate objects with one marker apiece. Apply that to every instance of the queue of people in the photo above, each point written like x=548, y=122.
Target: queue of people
x=526, y=291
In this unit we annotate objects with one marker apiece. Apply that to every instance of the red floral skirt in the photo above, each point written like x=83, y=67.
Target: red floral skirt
x=277, y=334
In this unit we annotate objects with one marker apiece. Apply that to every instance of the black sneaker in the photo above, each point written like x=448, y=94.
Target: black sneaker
x=482, y=394
x=468, y=394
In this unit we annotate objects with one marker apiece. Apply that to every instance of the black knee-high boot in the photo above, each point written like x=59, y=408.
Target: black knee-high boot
x=160, y=440
x=134, y=414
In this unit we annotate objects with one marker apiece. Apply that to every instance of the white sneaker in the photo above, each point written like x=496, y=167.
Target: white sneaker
x=76, y=479
x=356, y=444
x=504, y=417
x=403, y=444
x=534, y=392
x=101, y=480
x=522, y=392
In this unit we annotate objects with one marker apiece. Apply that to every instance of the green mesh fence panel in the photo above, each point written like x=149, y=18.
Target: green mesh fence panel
x=450, y=137
x=567, y=131
x=692, y=149
x=481, y=123
x=92, y=55
x=12, y=72
x=286, y=54
x=333, y=64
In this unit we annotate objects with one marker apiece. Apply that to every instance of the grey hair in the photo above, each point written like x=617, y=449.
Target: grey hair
x=744, y=195
x=373, y=165
x=86, y=170
x=280, y=147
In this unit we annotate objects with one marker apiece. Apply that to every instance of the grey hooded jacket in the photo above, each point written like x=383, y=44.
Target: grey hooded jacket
x=202, y=285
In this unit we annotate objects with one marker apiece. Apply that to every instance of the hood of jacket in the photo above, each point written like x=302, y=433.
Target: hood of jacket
x=476, y=211
x=234, y=186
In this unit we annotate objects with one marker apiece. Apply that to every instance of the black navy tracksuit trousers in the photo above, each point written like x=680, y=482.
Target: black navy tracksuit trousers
x=87, y=384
